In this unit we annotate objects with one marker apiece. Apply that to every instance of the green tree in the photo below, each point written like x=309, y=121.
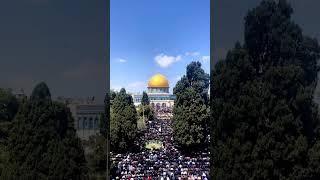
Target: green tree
x=112, y=96
x=8, y=105
x=103, y=125
x=8, y=109
x=145, y=99
x=262, y=100
x=147, y=111
x=42, y=142
x=191, y=109
x=123, y=123
x=97, y=157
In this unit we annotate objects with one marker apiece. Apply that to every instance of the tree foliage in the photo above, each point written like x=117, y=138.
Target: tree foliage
x=103, y=125
x=145, y=99
x=262, y=100
x=97, y=156
x=123, y=123
x=191, y=109
x=8, y=109
x=8, y=105
x=147, y=111
x=42, y=142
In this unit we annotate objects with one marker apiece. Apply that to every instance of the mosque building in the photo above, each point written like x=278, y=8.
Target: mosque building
x=158, y=93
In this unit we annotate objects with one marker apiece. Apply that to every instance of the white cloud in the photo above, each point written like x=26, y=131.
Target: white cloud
x=192, y=53
x=122, y=60
x=165, y=61
x=205, y=59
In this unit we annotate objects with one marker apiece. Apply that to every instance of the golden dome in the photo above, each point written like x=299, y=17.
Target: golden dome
x=158, y=81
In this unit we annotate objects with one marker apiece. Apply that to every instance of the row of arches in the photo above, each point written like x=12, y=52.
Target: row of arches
x=158, y=105
x=90, y=123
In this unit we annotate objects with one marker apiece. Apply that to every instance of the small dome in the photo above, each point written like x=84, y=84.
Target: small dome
x=158, y=81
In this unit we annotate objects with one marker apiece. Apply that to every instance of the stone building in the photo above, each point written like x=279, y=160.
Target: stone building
x=158, y=93
x=86, y=114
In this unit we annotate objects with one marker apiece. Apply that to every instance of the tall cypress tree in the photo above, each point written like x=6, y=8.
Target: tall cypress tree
x=145, y=99
x=262, y=101
x=191, y=109
x=145, y=109
x=123, y=123
x=42, y=141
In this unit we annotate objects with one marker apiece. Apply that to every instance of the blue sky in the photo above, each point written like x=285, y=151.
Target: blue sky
x=156, y=36
x=64, y=42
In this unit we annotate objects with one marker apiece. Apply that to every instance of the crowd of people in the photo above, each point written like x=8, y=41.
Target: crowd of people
x=164, y=113
x=164, y=163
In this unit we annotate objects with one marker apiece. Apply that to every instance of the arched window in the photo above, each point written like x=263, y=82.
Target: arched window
x=90, y=123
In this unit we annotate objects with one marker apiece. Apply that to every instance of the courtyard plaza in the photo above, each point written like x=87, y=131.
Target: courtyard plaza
x=160, y=163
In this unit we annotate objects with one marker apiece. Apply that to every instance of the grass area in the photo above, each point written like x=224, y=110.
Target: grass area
x=154, y=145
